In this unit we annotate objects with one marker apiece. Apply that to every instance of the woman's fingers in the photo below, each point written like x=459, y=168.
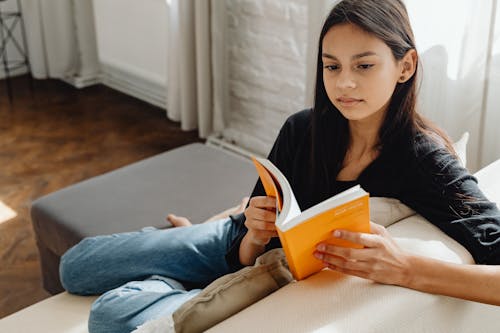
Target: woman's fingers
x=377, y=229
x=370, y=242
x=380, y=260
x=344, y=253
x=260, y=214
x=340, y=264
x=263, y=202
x=367, y=240
x=259, y=225
x=260, y=219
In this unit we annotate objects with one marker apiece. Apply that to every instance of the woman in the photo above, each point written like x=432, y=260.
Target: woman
x=364, y=130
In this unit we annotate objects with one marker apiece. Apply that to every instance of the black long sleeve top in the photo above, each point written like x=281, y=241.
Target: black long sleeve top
x=424, y=175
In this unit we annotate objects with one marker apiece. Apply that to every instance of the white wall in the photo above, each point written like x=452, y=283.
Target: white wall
x=132, y=46
x=267, y=42
x=267, y=68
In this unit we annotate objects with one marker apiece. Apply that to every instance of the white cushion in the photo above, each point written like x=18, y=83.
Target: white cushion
x=387, y=211
x=62, y=313
x=489, y=181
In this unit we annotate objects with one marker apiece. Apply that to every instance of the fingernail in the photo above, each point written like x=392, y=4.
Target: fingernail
x=321, y=247
x=318, y=255
x=336, y=233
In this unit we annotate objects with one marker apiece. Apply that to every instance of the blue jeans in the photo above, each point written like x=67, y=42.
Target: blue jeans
x=144, y=274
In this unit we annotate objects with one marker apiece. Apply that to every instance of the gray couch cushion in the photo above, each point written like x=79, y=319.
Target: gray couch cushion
x=196, y=181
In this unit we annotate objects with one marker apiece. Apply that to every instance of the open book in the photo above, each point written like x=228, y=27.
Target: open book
x=300, y=232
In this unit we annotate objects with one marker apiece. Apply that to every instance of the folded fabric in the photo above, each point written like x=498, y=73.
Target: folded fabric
x=226, y=296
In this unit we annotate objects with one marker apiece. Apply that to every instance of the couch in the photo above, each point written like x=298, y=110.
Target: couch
x=196, y=180
x=141, y=194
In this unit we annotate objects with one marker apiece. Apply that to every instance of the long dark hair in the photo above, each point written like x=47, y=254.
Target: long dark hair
x=387, y=20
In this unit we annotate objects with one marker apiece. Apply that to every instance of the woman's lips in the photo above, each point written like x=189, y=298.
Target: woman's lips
x=348, y=101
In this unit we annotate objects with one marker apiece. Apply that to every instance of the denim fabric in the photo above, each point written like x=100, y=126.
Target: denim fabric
x=142, y=274
x=126, y=307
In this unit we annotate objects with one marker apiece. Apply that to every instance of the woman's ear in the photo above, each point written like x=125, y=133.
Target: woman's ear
x=408, y=65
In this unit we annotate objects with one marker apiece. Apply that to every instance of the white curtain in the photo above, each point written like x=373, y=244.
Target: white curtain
x=454, y=55
x=454, y=39
x=197, y=88
x=61, y=39
x=491, y=136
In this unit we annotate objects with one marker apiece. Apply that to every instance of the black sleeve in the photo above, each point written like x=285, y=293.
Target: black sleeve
x=448, y=196
x=281, y=156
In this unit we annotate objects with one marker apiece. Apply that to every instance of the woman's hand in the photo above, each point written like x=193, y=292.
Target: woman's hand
x=260, y=218
x=380, y=260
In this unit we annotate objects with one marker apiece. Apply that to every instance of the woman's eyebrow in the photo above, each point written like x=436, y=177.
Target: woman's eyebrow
x=356, y=56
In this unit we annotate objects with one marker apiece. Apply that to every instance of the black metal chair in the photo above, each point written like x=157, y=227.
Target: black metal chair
x=9, y=19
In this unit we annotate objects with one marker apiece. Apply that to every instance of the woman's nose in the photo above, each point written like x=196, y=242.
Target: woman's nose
x=345, y=80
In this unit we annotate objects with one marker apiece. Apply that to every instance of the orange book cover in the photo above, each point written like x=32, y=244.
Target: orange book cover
x=300, y=232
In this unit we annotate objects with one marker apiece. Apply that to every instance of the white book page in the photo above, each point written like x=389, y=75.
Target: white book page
x=292, y=212
x=290, y=206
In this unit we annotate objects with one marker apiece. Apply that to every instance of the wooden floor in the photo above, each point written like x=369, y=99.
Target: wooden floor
x=52, y=137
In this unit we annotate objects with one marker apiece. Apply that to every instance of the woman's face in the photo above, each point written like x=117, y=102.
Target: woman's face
x=359, y=72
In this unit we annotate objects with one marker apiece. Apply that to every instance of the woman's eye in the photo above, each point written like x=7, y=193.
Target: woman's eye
x=331, y=67
x=365, y=66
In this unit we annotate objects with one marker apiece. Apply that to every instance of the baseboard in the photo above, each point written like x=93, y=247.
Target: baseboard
x=217, y=140
x=82, y=81
x=118, y=78
x=14, y=72
x=76, y=81
x=134, y=84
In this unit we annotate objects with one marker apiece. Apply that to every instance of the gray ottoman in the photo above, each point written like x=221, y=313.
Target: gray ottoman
x=196, y=181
